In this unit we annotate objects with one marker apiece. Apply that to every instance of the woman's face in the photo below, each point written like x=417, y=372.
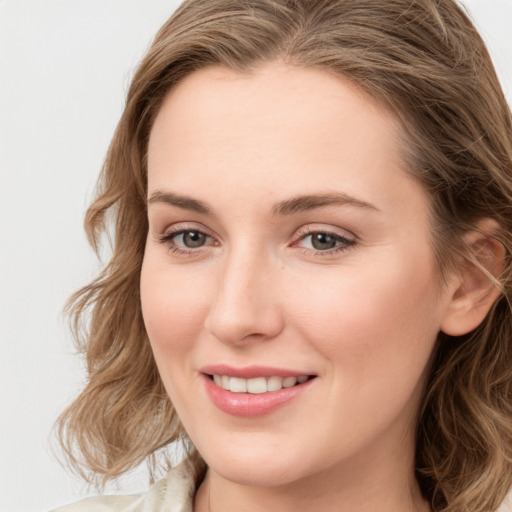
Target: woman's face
x=287, y=244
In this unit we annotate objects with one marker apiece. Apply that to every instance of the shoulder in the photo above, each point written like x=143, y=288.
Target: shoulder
x=100, y=504
x=173, y=492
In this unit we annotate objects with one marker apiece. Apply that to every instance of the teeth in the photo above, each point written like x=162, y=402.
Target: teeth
x=257, y=385
x=274, y=383
x=238, y=385
x=289, y=382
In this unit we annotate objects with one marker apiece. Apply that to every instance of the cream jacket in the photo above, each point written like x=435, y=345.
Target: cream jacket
x=174, y=493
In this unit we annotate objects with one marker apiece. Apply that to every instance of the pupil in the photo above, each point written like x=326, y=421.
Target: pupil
x=323, y=241
x=193, y=239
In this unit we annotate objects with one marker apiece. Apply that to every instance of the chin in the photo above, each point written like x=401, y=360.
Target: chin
x=262, y=476
x=254, y=469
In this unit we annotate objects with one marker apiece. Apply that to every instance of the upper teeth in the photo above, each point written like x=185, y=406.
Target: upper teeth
x=257, y=385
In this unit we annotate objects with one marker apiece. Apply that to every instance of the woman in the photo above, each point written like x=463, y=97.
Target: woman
x=311, y=276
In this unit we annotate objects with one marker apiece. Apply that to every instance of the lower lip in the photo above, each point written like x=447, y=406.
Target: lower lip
x=250, y=405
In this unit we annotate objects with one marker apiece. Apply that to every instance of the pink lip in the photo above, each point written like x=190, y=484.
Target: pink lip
x=251, y=405
x=250, y=372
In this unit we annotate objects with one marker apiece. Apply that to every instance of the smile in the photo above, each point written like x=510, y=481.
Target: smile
x=254, y=390
x=257, y=385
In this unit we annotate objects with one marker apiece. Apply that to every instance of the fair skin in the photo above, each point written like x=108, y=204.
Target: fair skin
x=286, y=237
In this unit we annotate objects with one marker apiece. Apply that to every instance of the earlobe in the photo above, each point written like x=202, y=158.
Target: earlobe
x=475, y=286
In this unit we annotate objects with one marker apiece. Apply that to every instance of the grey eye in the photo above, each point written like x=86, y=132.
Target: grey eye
x=323, y=241
x=190, y=239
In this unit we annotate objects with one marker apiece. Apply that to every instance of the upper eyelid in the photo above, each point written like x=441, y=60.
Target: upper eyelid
x=329, y=233
x=168, y=238
x=299, y=233
x=309, y=229
x=179, y=227
x=344, y=240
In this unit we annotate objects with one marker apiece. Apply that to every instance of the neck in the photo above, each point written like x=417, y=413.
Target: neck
x=358, y=486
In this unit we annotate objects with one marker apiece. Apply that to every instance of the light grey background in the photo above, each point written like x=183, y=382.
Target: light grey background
x=64, y=69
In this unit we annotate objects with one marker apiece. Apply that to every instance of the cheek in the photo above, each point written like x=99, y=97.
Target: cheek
x=376, y=334
x=376, y=322
x=172, y=307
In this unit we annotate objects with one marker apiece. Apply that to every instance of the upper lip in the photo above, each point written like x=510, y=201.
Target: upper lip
x=251, y=372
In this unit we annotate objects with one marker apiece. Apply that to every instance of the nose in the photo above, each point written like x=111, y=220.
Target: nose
x=246, y=304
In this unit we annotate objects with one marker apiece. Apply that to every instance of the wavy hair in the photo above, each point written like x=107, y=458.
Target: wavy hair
x=424, y=60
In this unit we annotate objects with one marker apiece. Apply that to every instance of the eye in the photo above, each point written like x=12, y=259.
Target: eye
x=186, y=240
x=324, y=242
x=191, y=239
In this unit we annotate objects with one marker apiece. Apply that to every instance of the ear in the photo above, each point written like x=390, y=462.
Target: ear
x=474, y=289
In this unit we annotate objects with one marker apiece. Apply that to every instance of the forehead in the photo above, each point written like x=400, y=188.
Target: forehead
x=283, y=128
x=213, y=100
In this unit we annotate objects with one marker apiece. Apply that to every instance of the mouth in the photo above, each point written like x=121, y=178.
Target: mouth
x=254, y=390
x=257, y=385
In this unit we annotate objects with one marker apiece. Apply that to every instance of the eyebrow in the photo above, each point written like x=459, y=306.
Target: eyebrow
x=310, y=202
x=183, y=202
x=286, y=207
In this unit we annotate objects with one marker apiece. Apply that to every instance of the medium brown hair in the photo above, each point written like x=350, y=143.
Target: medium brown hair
x=424, y=60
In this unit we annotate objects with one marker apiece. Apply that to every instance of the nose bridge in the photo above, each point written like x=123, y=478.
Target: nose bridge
x=244, y=305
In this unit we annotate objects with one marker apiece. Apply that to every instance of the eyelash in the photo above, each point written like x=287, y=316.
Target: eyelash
x=168, y=239
x=343, y=241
